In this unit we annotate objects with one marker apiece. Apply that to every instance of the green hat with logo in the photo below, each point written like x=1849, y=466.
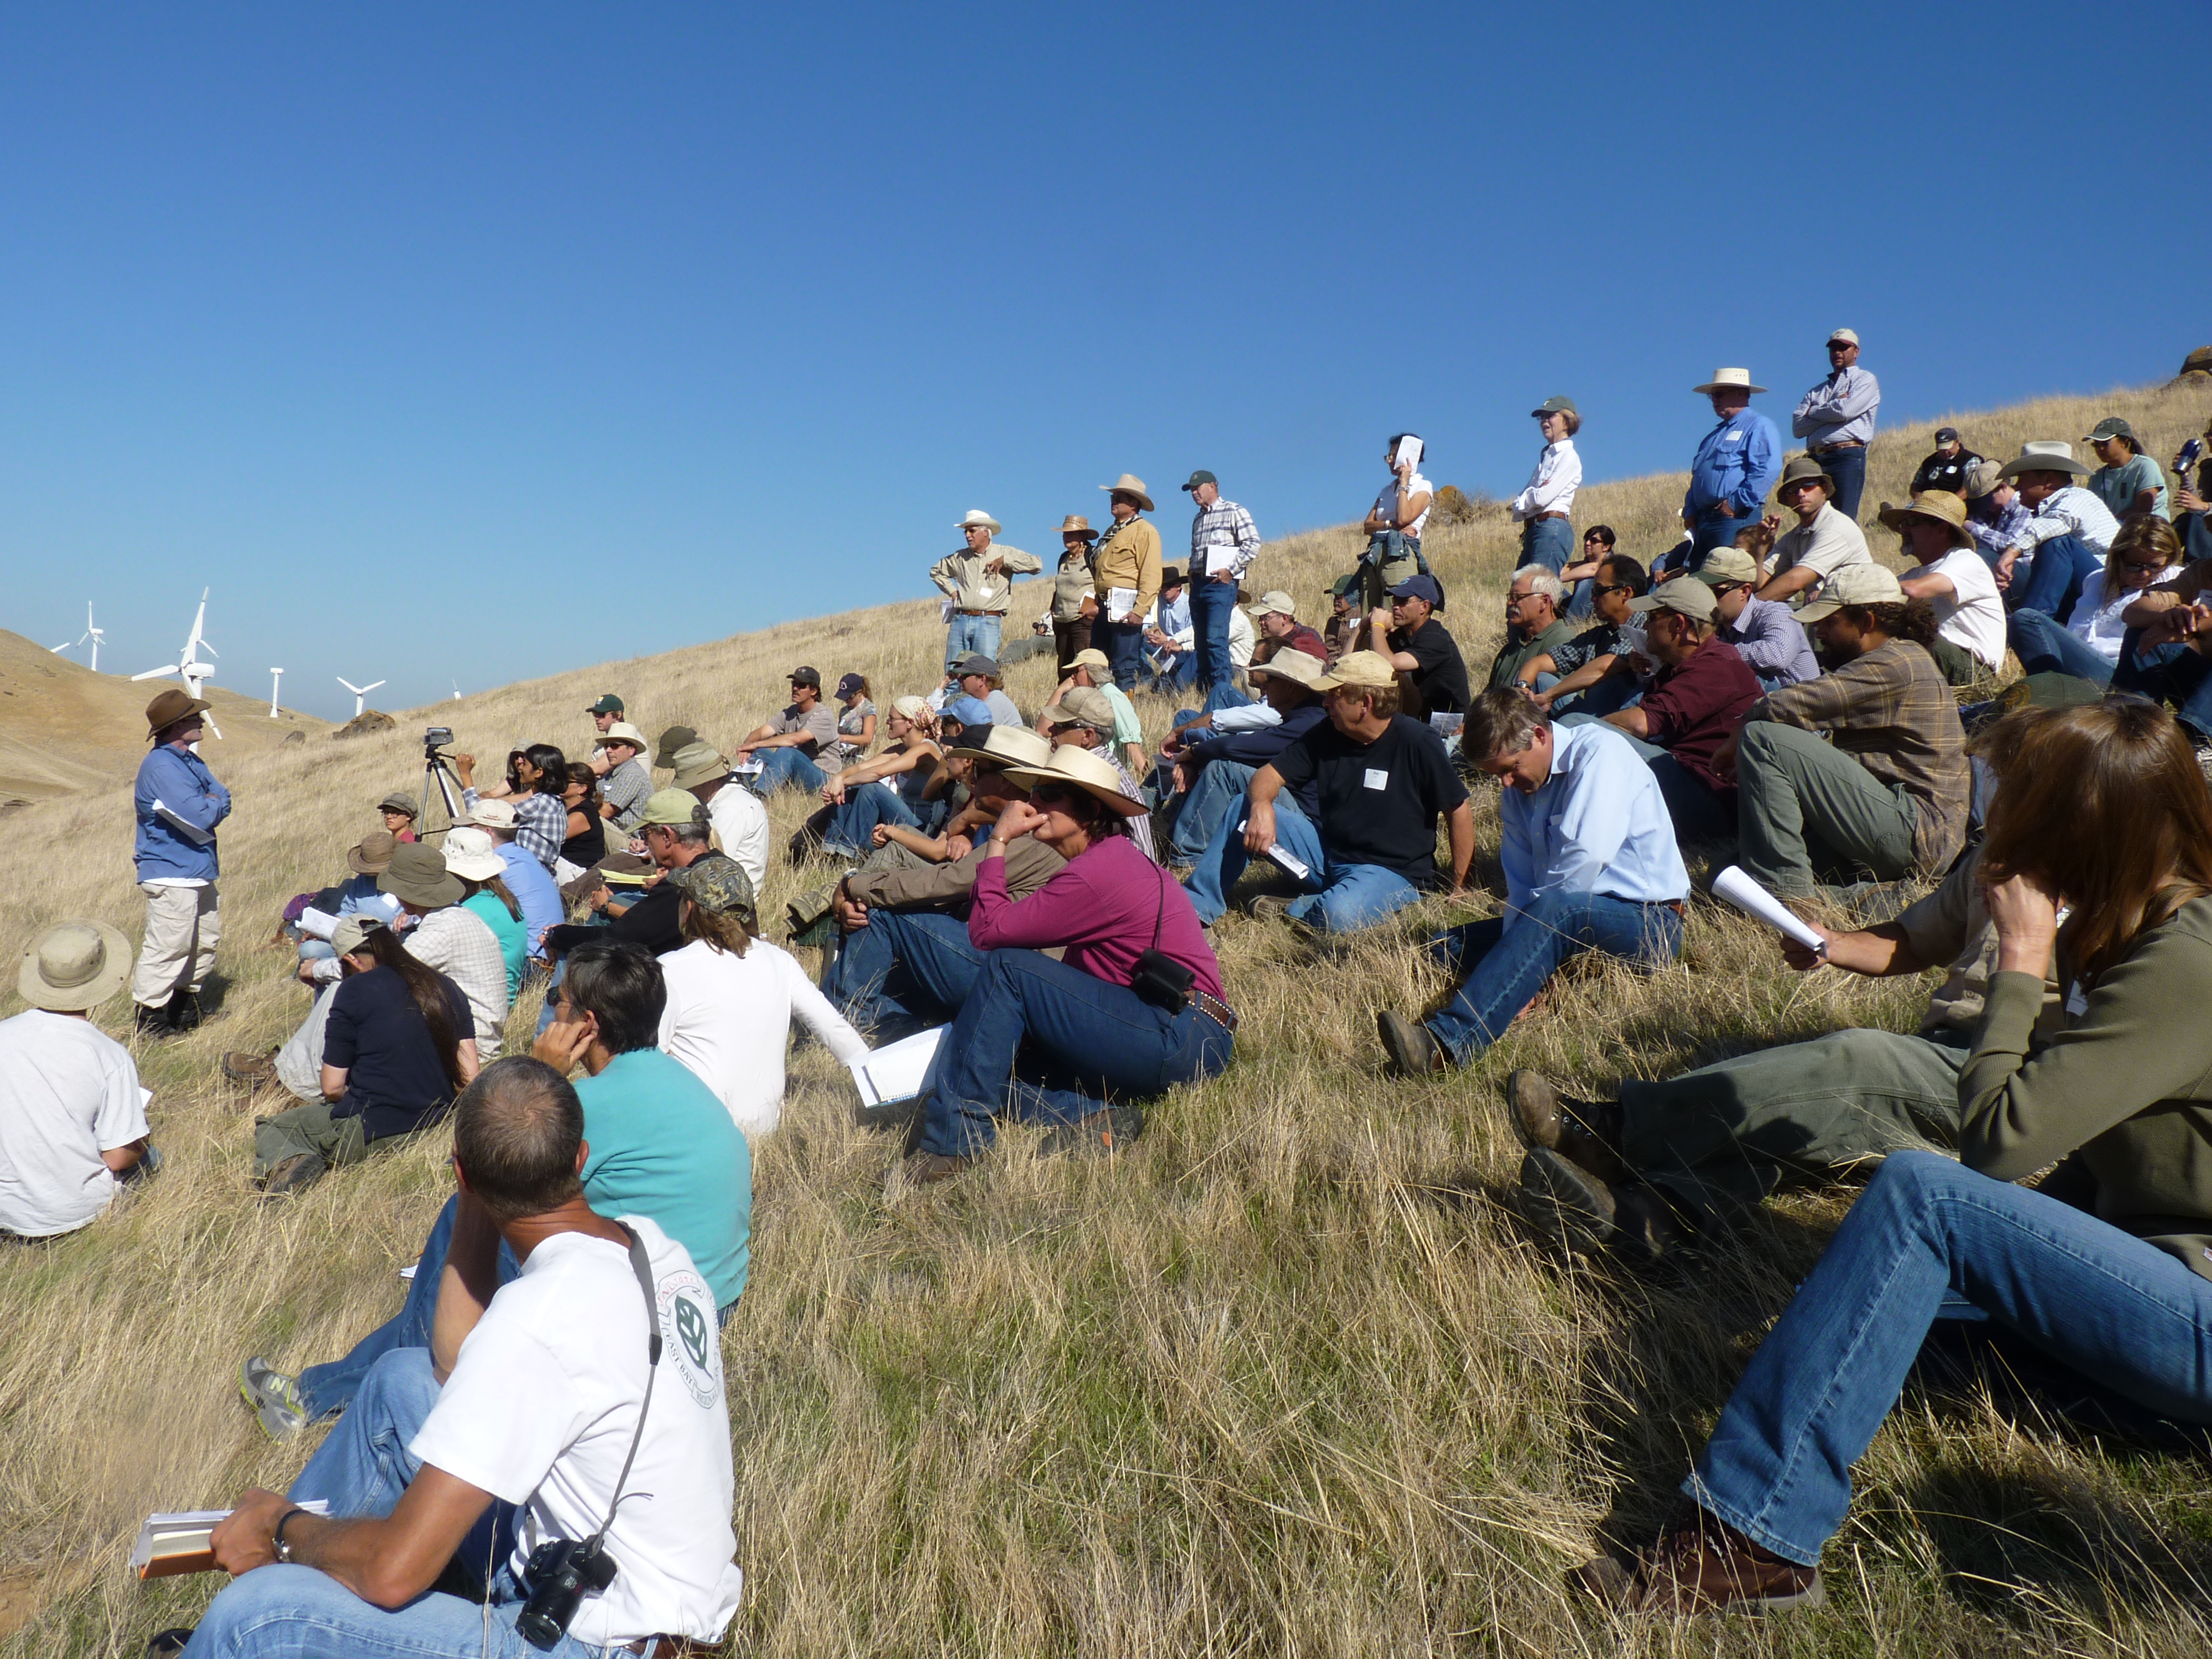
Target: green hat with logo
x=1556, y=406
x=608, y=704
x=668, y=808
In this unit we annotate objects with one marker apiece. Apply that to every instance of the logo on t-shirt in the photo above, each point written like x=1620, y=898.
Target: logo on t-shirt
x=687, y=1326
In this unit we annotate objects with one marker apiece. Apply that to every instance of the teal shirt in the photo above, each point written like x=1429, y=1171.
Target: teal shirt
x=663, y=1144
x=513, y=938
x=2118, y=486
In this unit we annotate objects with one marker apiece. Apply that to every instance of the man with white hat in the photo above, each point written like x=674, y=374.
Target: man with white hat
x=627, y=783
x=2069, y=532
x=977, y=581
x=1126, y=569
x=72, y=1115
x=179, y=804
x=1836, y=420
x=1949, y=571
x=738, y=819
x=1735, y=465
x=1224, y=541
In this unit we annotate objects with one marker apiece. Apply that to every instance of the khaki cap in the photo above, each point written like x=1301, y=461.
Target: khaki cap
x=1358, y=668
x=1686, y=596
x=1855, y=584
x=492, y=815
x=1082, y=705
x=1847, y=336
x=73, y=966
x=1729, y=564
x=1091, y=657
x=1273, y=603
x=346, y=937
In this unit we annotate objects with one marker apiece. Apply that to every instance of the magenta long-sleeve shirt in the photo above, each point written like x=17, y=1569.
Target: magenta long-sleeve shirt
x=1103, y=907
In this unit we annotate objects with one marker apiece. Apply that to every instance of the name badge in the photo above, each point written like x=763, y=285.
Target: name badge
x=1731, y=437
x=1378, y=780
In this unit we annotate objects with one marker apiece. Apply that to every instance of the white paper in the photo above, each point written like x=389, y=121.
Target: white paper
x=1756, y=902
x=900, y=1071
x=1445, y=725
x=1284, y=858
x=175, y=1522
x=408, y=1272
x=749, y=769
x=1409, y=450
x=1218, y=559
x=317, y=924
x=1120, y=602
x=191, y=832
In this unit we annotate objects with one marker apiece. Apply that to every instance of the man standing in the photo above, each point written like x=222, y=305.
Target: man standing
x=1735, y=465
x=1128, y=578
x=1822, y=541
x=1433, y=677
x=977, y=581
x=1765, y=632
x=1836, y=420
x=1544, y=508
x=1949, y=467
x=179, y=804
x=1222, y=543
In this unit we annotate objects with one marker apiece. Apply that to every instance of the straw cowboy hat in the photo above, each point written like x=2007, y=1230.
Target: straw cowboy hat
x=1085, y=769
x=74, y=966
x=1943, y=506
x=418, y=875
x=975, y=516
x=1016, y=744
x=1130, y=485
x=371, y=854
x=2044, y=455
x=1802, y=469
x=1358, y=668
x=1302, y=667
x=1076, y=525
x=470, y=855
x=172, y=705
x=1728, y=379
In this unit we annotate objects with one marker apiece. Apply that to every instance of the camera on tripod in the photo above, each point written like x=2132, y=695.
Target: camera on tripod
x=561, y=1570
x=437, y=737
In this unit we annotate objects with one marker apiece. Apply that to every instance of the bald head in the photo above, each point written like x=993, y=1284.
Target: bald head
x=518, y=1131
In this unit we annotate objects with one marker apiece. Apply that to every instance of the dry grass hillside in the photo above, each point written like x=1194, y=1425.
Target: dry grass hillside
x=1285, y=1379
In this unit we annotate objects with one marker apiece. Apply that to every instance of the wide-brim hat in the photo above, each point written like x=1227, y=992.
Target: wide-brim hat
x=371, y=854
x=1086, y=770
x=1301, y=667
x=1130, y=485
x=2042, y=455
x=1358, y=668
x=1013, y=745
x=470, y=855
x=1081, y=705
x=1728, y=379
x=492, y=815
x=1855, y=584
x=1803, y=469
x=624, y=731
x=673, y=742
x=418, y=875
x=975, y=516
x=1942, y=506
x=697, y=764
x=74, y=966
x=170, y=707
x=1076, y=525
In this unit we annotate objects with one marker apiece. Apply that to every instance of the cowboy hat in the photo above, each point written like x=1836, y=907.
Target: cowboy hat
x=170, y=707
x=1855, y=584
x=2042, y=455
x=1130, y=485
x=74, y=966
x=1015, y=744
x=1802, y=469
x=418, y=875
x=975, y=516
x=699, y=762
x=1728, y=379
x=1076, y=525
x=371, y=854
x=1301, y=667
x=1942, y=506
x=470, y=855
x=1086, y=770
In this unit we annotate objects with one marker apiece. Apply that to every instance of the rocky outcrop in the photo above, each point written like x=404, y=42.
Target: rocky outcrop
x=368, y=720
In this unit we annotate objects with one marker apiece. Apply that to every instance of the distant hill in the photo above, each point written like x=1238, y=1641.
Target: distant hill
x=64, y=728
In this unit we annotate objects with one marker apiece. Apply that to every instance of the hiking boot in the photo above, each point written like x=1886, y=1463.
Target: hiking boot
x=184, y=1012
x=1703, y=1565
x=273, y=1397
x=155, y=1022
x=1100, y=1135
x=1583, y=1131
x=922, y=1169
x=294, y=1175
x=1571, y=1210
x=1412, y=1051
x=252, y=1069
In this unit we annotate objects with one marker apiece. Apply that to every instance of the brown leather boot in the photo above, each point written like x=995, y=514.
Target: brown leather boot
x=1582, y=1131
x=1703, y=1565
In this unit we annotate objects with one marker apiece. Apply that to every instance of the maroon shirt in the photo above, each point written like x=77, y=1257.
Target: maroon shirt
x=1300, y=638
x=1694, y=707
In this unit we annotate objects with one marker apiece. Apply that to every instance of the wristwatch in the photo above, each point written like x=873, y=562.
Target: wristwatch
x=277, y=1538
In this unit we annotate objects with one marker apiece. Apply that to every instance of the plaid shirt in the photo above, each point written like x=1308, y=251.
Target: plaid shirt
x=626, y=789
x=541, y=824
x=1892, y=712
x=1994, y=535
x=460, y=945
x=1223, y=524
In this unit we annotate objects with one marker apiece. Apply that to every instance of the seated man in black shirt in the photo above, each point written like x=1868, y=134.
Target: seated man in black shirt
x=1352, y=804
x=675, y=826
x=1433, y=677
x=1947, y=467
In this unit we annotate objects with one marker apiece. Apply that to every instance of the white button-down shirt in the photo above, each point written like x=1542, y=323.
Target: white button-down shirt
x=1598, y=825
x=2072, y=511
x=1839, y=410
x=1551, y=486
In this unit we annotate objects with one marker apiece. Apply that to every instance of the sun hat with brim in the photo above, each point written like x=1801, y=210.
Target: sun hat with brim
x=1802, y=469
x=1085, y=769
x=1943, y=506
x=470, y=855
x=492, y=815
x=170, y=707
x=1728, y=379
x=1081, y=705
x=396, y=802
x=1358, y=668
x=1130, y=485
x=1855, y=584
x=969, y=711
x=1090, y=658
x=73, y=966
x=1301, y=667
x=1273, y=603
x=1013, y=745
x=371, y=854
x=418, y=875
x=1729, y=564
x=347, y=937
x=1686, y=596
x=624, y=731
x=1982, y=478
x=1076, y=525
x=2042, y=455
x=667, y=809
x=975, y=516
x=673, y=742
x=716, y=883
x=697, y=764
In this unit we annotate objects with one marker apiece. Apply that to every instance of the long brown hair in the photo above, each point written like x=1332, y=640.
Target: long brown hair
x=2133, y=535
x=2104, y=805
x=497, y=887
x=427, y=986
x=721, y=931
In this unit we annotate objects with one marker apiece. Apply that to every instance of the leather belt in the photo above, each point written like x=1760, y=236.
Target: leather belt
x=1534, y=517
x=666, y=1647
x=1214, y=1009
x=979, y=613
x=1841, y=443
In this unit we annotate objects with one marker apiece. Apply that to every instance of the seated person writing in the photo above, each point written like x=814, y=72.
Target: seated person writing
x=1134, y=1008
x=1594, y=671
x=796, y=748
x=1591, y=864
x=1207, y=777
x=2103, y=1268
x=357, y=895
x=588, y=1393
x=892, y=788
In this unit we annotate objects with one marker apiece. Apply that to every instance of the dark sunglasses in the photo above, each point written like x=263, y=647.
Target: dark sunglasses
x=1052, y=795
x=1613, y=587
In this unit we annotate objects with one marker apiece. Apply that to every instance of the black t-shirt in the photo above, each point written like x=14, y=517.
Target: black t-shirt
x=589, y=848
x=1440, y=681
x=652, y=922
x=1942, y=472
x=394, y=1082
x=1379, y=800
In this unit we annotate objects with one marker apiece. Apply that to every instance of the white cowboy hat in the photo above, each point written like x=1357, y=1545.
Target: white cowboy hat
x=2044, y=455
x=977, y=515
x=1086, y=770
x=1728, y=379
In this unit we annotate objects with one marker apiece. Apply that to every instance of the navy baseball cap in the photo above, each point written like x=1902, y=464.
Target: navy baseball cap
x=1418, y=587
x=849, y=684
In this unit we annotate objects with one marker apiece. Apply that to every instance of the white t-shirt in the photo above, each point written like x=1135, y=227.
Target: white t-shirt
x=68, y=1092
x=1972, y=615
x=737, y=816
x=540, y=1409
x=1386, y=504
x=728, y=1021
x=2094, y=621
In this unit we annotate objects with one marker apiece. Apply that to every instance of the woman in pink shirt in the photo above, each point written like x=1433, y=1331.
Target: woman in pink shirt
x=1134, y=1008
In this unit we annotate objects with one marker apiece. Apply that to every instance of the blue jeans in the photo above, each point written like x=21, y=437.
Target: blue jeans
x=786, y=767
x=1500, y=972
x=2045, y=648
x=978, y=634
x=1123, y=644
x=1848, y=468
x=905, y=968
x=1227, y=693
x=1547, y=542
x=1616, y=691
x=1080, y=1042
x=2054, y=578
x=1211, y=604
x=1712, y=530
x=1218, y=789
x=2170, y=674
x=1340, y=898
x=851, y=824
x=1928, y=1240
x=316, y=950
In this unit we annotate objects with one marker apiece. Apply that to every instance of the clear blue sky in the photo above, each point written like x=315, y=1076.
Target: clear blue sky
x=475, y=343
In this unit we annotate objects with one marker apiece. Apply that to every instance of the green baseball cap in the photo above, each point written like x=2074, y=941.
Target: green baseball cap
x=1198, y=478
x=2111, y=426
x=1558, y=406
x=608, y=704
x=670, y=807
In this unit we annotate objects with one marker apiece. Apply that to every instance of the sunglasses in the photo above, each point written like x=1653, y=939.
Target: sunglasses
x=1613, y=587
x=1052, y=795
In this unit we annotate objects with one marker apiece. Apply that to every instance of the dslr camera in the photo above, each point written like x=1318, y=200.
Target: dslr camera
x=560, y=1572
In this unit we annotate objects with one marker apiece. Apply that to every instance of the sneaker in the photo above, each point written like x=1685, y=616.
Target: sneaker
x=1099, y=1135
x=294, y=1175
x=1413, y=1052
x=273, y=1398
x=1703, y=1565
x=255, y=1069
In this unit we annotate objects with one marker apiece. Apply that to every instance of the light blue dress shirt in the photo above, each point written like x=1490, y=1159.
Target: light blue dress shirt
x=1737, y=463
x=1598, y=825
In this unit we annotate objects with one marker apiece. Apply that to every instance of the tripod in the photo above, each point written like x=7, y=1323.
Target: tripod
x=438, y=774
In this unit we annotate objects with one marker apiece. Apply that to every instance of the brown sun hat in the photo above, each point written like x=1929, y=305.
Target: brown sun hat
x=1076, y=525
x=418, y=875
x=371, y=854
x=1087, y=770
x=74, y=966
x=1803, y=469
x=170, y=707
x=1943, y=506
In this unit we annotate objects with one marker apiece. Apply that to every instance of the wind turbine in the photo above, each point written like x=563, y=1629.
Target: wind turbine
x=187, y=667
x=95, y=634
x=359, y=693
x=457, y=690
x=276, y=679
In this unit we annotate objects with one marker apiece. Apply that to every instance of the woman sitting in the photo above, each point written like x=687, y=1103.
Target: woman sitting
x=585, y=842
x=892, y=788
x=474, y=861
x=399, y=1043
x=856, y=720
x=731, y=997
x=1135, y=1006
x=2089, y=646
x=2106, y=1267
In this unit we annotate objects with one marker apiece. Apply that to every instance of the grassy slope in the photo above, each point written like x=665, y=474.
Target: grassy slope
x=1284, y=1379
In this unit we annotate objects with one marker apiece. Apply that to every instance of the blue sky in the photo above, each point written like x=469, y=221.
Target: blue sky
x=476, y=343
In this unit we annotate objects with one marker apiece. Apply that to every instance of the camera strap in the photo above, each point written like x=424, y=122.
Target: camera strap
x=642, y=1266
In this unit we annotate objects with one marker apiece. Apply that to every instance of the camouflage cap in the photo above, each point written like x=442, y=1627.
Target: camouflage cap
x=716, y=883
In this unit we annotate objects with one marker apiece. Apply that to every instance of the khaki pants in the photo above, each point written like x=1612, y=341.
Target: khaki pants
x=178, y=953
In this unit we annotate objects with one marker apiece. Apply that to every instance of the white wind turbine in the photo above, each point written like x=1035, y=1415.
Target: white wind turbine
x=276, y=679
x=359, y=693
x=188, y=666
x=457, y=690
x=95, y=634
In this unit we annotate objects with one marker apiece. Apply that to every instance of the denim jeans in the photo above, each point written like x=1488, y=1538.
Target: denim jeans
x=2170, y=674
x=978, y=635
x=1616, y=691
x=1547, y=542
x=863, y=809
x=1340, y=898
x=1211, y=604
x=785, y=767
x=1218, y=788
x=1179, y=671
x=1847, y=467
x=1227, y=693
x=1123, y=644
x=1711, y=531
x=1501, y=971
x=904, y=970
x=1048, y=1043
x=2054, y=578
x=1930, y=1240
x=2045, y=648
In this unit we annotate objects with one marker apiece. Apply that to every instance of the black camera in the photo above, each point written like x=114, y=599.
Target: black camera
x=562, y=1572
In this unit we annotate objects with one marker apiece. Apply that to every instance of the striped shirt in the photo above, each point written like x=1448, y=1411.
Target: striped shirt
x=2072, y=511
x=1223, y=524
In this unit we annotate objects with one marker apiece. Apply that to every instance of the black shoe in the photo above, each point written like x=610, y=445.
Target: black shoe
x=1099, y=1135
x=294, y=1175
x=1412, y=1051
x=1571, y=1210
x=168, y=1644
x=155, y=1022
x=184, y=1012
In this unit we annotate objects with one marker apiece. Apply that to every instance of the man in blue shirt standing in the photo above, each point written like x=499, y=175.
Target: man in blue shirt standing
x=1735, y=465
x=179, y=804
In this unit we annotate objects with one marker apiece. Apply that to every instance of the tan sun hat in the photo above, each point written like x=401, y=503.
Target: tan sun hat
x=371, y=854
x=624, y=731
x=1076, y=525
x=1728, y=379
x=1016, y=746
x=1088, y=771
x=470, y=855
x=977, y=515
x=1940, y=505
x=1292, y=664
x=1273, y=603
x=697, y=764
x=1082, y=705
x=74, y=966
x=1130, y=485
x=1855, y=584
x=1358, y=668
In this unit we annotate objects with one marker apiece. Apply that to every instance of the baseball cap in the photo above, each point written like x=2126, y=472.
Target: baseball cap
x=1847, y=336
x=346, y=936
x=977, y=663
x=2111, y=427
x=969, y=711
x=1418, y=587
x=1199, y=477
x=1855, y=584
x=1946, y=434
x=1089, y=656
x=1684, y=595
x=675, y=739
x=667, y=807
x=849, y=684
x=1982, y=476
x=608, y=704
x=805, y=675
x=1358, y=668
x=1556, y=406
x=1273, y=603
x=1729, y=564
x=717, y=882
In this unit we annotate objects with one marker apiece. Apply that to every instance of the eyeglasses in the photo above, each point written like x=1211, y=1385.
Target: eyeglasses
x=2138, y=564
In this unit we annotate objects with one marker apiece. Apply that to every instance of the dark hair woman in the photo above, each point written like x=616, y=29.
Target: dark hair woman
x=585, y=842
x=2100, y=813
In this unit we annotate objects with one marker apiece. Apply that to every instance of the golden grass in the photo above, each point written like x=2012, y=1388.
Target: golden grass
x=1284, y=1379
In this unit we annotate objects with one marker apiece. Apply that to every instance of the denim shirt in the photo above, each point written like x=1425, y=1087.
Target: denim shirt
x=1737, y=463
x=180, y=781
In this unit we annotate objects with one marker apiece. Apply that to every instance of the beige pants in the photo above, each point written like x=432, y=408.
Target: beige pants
x=182, y=927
